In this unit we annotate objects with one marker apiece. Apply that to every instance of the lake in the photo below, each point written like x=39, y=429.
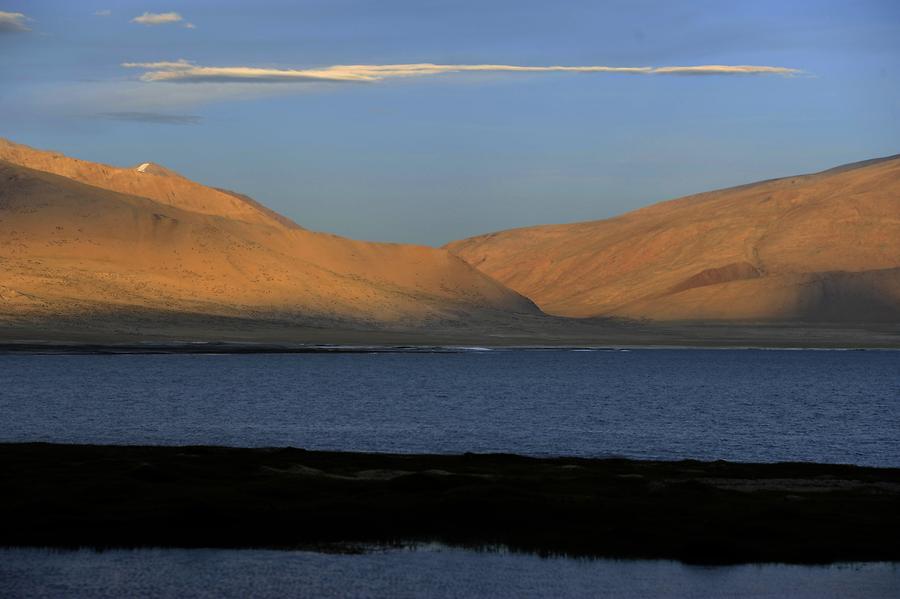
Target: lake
x=432, y=571
x=745, y=405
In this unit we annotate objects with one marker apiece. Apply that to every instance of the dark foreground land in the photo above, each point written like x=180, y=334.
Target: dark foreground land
x=710, y=512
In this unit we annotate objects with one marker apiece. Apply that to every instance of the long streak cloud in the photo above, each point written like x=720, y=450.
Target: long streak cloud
x=160, y=18
x=183, y=71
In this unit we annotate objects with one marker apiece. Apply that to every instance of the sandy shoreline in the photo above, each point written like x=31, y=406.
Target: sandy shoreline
x=140, y=330
x=206, y=348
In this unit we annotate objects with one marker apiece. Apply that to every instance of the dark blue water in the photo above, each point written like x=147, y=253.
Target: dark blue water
x=840, y=406
x=749, y=405
x=432, y=572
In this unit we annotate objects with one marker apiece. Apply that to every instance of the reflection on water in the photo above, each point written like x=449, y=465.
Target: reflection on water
x=432, y=571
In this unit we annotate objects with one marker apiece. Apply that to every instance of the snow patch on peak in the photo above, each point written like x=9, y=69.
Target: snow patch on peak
x=151, y=168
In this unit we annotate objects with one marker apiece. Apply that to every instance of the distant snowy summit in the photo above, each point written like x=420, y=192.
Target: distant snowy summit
x=151, y=168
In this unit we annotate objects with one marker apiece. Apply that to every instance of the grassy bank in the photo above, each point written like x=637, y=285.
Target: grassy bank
x=709, y=512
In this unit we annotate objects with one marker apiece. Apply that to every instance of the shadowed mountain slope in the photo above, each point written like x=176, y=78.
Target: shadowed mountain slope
x=821, y=247
x=81, y=239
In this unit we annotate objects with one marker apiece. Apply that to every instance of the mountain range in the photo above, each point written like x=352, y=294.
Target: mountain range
x=143, y=252
x=816, y=248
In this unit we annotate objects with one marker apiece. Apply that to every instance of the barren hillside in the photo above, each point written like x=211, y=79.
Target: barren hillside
x=79, y=239
x=821, y=247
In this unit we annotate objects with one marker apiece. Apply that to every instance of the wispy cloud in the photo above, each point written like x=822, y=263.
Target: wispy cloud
x=96, y=98
x=161, y=65
x=156, y=118
x=158, y=18
x=126, y=98
x=102, y=13
x=11, y=22
x=720, y=69
x=183, y=71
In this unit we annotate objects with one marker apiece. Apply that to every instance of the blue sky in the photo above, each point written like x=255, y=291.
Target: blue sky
x=435, y=157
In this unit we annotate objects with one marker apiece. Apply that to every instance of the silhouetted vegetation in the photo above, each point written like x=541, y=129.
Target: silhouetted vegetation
x=710, y=512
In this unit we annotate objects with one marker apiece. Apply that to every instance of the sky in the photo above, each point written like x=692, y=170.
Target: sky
x=333, y=112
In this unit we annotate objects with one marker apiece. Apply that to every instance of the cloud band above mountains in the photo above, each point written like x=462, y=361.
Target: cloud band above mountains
x=158, y=18
x=183, y=71
x=155, y=118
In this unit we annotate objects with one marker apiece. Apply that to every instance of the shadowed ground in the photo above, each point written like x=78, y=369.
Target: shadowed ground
x=710, y=512
x=119, y=327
